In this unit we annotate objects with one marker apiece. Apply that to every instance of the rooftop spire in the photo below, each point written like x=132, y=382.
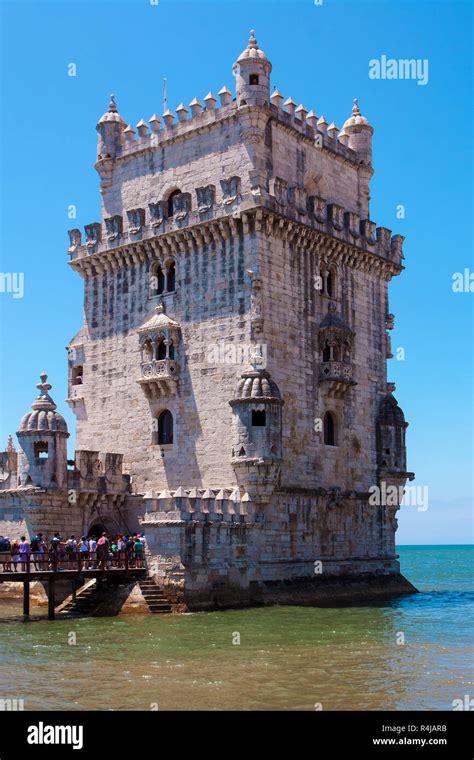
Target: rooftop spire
x=112, y=105
x=355, y=107
x=10, y=444
x=44, y=402
x=252, y=41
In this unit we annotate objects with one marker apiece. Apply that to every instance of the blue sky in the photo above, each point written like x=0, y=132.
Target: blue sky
x=320, y=55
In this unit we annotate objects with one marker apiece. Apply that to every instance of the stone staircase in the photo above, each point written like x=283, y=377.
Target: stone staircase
x=87, y=598
x=154, y=597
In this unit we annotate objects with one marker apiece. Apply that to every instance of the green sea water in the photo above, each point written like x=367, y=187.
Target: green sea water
x=411, y=653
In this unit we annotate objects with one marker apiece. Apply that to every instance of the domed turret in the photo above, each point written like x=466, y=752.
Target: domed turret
x=391, y=427
x=257, y=434
x=360, y=133
x=110, y=128
x=43, y=434
x=252, y=73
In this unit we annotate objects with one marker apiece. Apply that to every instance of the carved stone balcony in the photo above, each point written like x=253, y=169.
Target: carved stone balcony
x=338, y=377
x=158, y=378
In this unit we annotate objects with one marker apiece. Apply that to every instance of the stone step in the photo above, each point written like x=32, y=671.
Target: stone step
x=155, y=610
x=153, y=595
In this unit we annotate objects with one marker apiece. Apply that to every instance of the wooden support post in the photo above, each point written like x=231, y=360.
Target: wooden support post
x=26, y=598
x=51, y=601
x=26, y=588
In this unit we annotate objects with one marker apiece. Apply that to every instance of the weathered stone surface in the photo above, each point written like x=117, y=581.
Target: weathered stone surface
x=233, y=355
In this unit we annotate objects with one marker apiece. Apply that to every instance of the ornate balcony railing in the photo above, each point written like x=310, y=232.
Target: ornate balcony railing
x=158, y=368
x=336, y=371
x=158, y=377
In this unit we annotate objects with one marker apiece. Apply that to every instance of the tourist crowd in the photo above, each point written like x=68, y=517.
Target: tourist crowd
x=92, y=552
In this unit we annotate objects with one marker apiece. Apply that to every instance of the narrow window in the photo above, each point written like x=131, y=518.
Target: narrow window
x=253, y=79
x=165, y=427
x=157, y=283
x=77, y=375
x=148, y=351
x=170, y=202
x=330, y=284
x=327, y=352
x=171, y=350
x=329, y=429
x=258, y=418
x=171, y=278
x=161, y=350
x=41, y=450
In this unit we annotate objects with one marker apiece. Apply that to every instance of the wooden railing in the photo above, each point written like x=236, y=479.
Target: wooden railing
x=77, y=561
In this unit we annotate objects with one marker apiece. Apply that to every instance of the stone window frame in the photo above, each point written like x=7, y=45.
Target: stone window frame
x=164, y=265
x=157, y=415
x=329, y=269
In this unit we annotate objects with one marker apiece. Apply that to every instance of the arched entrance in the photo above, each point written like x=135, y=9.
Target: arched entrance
x=103, y=525
x=96, y=530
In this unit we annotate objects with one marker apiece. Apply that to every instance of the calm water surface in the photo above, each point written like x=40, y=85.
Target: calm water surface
x=288, y=657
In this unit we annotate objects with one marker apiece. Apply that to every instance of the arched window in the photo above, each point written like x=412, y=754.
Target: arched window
x=157, y=281
x=170, y=202
x=165, y=428
x=330, y=429
x=327, y=352
x=147, y=351
x=161, y=350
x=171, y=350
x=253, y=79
x=171, y=278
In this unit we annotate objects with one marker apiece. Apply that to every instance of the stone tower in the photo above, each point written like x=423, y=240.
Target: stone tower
x=233, y=350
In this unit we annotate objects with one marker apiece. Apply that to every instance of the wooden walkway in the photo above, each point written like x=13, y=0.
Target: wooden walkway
x=75, y=568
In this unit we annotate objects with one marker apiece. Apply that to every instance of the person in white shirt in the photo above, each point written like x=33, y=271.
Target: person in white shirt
x=92, y=552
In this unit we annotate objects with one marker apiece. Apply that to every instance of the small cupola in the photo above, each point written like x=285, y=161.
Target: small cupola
x=257, y=434
x=252, y=73
x=43, y=434
x=359, y=132
x=391, y=446
x=110, y=128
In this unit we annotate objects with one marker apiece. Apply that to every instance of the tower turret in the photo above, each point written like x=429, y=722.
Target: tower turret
x=360, y=134
x=252, y=74
x=391, y=447
x=257, y=434
x=43, y=434
x=110, y=128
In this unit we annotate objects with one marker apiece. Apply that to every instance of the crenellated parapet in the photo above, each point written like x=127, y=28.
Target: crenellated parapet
x=97, y=472
x=158, y=133
x=356, y=242
x=198, y=505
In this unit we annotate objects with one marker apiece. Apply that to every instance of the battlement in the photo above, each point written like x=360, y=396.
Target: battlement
x=158, y=133
x=222, y=220
x=98, y=472
x=198, y=505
